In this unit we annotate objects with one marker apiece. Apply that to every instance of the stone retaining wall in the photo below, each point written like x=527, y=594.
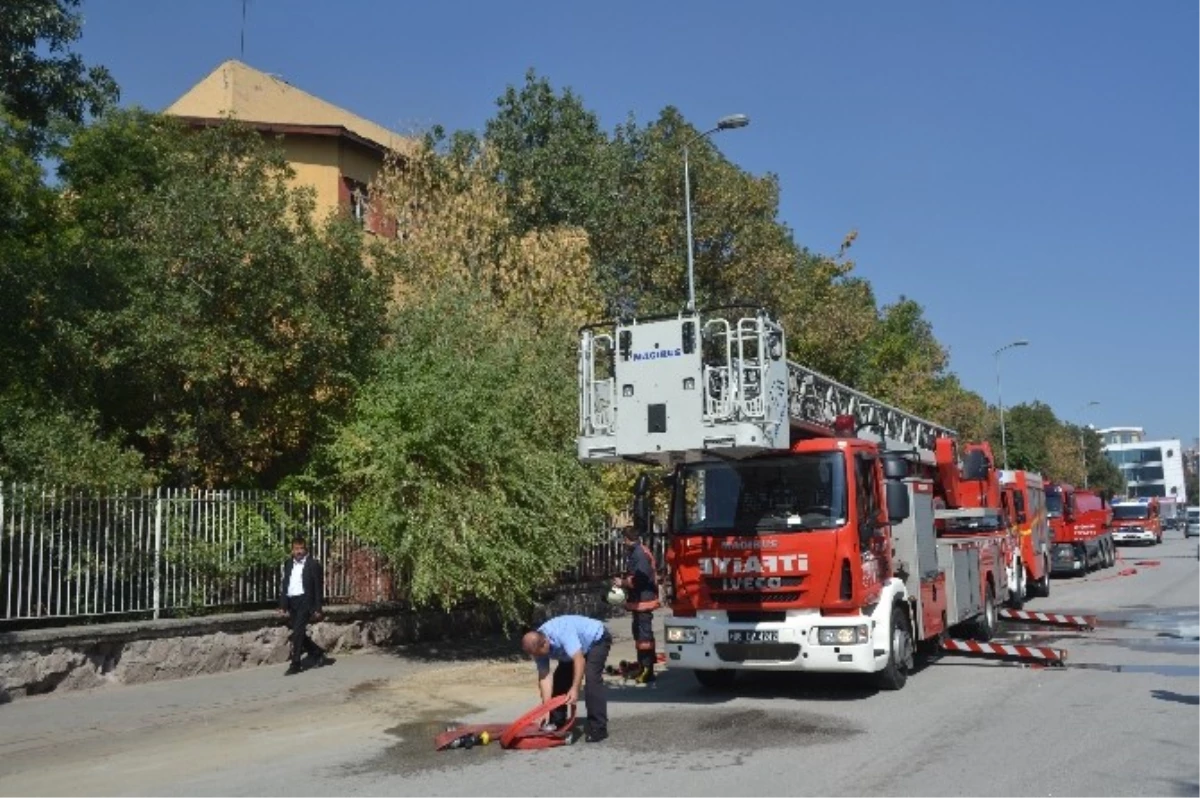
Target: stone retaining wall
x=80, y=657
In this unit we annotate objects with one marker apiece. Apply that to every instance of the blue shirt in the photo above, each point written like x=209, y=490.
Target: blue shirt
x=567, y=635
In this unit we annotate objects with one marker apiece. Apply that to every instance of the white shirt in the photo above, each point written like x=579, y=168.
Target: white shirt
x=296, y=583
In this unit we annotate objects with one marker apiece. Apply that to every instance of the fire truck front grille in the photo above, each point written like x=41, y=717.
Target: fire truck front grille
x=752, y=597
x=757, y=652
x=716, y=584
x=757, y=616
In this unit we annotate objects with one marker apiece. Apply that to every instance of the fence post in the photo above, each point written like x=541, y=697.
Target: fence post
x=157, y=551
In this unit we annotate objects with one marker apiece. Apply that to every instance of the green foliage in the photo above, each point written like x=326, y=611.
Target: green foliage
x=1103, y=475
x=218, y=325
x=43, y=84
x=1039, y=441
x=54, y=446
x=250, y=544
x=554, y=161
x=1028, y=429
x=28, y=233
x=459, y=455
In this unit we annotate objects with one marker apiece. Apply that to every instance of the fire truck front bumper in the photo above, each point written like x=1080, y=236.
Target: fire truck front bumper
x=803, y=641
x=1132, y=534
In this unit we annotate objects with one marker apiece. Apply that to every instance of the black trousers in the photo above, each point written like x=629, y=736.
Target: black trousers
x=594, y=692
x=643, y=638
x=301, y=612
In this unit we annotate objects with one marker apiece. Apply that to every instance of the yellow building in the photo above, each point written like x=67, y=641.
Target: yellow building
x=335, y=152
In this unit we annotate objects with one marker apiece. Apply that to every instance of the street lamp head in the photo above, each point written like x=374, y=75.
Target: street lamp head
x=732, y=121
x=1014, y=344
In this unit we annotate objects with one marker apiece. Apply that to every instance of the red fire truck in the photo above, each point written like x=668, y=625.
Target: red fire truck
x=1137, y=521
x=1024, y=500
x=813, y=527
x=1080, y=526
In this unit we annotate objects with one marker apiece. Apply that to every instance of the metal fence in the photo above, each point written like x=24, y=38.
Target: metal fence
x=607, y=559
x=68, y=553
x=77, y=553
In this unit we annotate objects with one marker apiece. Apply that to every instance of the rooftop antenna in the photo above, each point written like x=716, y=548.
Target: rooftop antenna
x=242, y=54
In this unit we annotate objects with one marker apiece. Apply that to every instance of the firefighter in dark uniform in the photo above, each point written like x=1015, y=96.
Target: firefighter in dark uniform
x=641, y=590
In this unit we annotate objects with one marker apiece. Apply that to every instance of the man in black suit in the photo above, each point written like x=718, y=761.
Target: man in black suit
x=300, y=596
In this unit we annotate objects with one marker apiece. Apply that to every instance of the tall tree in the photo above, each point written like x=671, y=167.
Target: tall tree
x=552, y=159
x=459, y=454
x=456, y=228
x=219, y=325
x=43, y=82
x=1103, y=475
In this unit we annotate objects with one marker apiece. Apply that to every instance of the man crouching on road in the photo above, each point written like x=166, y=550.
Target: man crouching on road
x=581, y=647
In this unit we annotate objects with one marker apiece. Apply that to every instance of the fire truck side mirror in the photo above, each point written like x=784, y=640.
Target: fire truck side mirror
x=641, y=503
x=895, y=467
x=897, y=501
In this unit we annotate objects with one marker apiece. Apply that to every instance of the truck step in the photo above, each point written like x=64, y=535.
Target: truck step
x=1086, y=622
x=1055, y=657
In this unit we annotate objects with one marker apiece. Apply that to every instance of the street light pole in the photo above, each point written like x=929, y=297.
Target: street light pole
x=1000, y=396
x=1082, y=448
x=724, y=123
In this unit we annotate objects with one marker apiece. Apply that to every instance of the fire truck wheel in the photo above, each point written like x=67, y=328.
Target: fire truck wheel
x=716, y=680
x=900, y=653
x=985, y=624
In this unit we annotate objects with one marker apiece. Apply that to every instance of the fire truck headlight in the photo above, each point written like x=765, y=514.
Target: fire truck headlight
x=681, y=634
x=842, y=635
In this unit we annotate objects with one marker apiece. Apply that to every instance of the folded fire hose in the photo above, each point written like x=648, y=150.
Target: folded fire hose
x=524, y=733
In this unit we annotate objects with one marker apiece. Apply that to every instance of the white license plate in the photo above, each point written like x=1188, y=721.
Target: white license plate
x=753, y=636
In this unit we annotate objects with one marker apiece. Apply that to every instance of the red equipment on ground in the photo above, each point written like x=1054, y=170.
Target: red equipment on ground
x=525, y=733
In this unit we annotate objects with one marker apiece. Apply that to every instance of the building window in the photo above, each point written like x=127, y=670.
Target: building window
x=1144, y=474
x=357, y=200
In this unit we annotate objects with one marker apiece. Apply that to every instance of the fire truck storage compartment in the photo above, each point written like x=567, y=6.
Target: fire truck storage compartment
x=961, y=563
x=927, y=554
x=915, y=539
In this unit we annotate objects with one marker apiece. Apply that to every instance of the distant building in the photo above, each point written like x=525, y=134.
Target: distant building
x=335, y=152
x=1191, y=466
x=1151, y=468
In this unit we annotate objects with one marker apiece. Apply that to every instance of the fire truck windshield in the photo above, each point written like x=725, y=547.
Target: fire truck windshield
x=1054, y=504
x=1130, y=512
x=790, y=493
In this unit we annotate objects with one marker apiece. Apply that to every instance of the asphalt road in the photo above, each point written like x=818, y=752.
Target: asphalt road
x=1123, y=719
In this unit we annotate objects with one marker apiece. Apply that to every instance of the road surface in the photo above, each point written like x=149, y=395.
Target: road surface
x=1122, y=720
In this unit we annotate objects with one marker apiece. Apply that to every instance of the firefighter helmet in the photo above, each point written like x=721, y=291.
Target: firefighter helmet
x=616, y=596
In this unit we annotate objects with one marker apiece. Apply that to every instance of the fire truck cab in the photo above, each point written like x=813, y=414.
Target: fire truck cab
x=1137, y=521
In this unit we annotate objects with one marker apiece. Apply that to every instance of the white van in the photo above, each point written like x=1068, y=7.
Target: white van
x=1193, y=522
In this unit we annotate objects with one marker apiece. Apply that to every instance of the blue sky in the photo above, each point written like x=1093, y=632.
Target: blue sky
x=1022, y=169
